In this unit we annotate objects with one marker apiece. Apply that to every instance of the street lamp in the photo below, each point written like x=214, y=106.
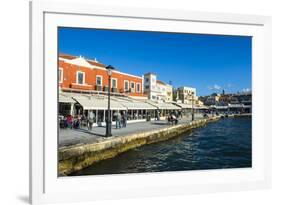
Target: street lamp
x=192, y=111
x=109, y=69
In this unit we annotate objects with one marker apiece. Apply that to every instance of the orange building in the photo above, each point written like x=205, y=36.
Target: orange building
x=80, y=74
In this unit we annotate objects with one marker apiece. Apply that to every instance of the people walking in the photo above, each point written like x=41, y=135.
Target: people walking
x=157, y=115
x=174, y=118
x=91, y=119
x=118, y=120
x=124, y=119
x=77, y=122
x=69, y=121
x=65, y=124
x=115, y=116
x=180, y=114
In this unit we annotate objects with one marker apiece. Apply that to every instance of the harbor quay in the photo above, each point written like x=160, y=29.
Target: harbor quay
x=82, y=135
x=89, y=150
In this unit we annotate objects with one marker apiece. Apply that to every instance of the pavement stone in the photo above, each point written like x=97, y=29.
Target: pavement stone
x=69, y=136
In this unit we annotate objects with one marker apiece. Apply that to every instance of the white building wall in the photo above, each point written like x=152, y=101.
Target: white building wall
x=157, y=91
x=150, y=86
x=187, y=94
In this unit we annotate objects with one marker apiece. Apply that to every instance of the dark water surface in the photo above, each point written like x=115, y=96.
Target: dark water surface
x=223, y=144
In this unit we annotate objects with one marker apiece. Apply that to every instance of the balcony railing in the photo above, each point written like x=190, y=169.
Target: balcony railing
x=98, y=88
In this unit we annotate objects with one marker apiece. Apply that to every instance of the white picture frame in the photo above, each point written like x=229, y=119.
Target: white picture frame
x=46, y=187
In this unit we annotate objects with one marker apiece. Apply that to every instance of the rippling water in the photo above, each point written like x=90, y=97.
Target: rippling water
x=223, y=144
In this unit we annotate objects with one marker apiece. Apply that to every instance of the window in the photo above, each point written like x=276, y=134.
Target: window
x=80, y=78
x=147, y=80
x=99, y=80
x=60, y=75
x=132, y=87
x=113, y=83
x=138, y=87
x=126, y=85
x=147, y=87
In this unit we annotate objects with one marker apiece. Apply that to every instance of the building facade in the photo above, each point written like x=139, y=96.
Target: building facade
x=226, y=99
x=186, y=95
x=150, y=86
x=157, y=90
x=214, y=99
x=165, y=91
x=80, y=74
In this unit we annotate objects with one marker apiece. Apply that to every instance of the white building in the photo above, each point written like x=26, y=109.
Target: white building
x=166, y=91
x=150, y=86
x=157, y=90
x=213, y=100
x=186, y=95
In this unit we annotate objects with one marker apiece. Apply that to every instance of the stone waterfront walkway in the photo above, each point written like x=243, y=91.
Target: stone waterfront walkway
x=69, y=137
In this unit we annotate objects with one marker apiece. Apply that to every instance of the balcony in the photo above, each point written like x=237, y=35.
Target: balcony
x=114, y=90
x=98, y=88
x=105, y=88
x=81, y=86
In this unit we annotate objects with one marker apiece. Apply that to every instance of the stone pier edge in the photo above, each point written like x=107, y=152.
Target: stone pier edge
x=77, y=157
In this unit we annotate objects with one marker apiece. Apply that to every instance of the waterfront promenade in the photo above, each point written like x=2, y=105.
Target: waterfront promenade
x=69, y=137
x=78, y=156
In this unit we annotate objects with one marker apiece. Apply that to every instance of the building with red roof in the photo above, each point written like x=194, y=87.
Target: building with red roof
x=78, y=74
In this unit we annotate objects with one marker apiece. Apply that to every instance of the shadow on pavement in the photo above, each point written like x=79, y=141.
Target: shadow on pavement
x=159, y=123
x=89, y=132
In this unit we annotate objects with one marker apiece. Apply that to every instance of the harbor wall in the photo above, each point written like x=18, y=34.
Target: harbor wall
x=77, y=157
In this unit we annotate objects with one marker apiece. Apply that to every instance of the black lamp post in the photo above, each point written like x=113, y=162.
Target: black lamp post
x=108, y=121
x=192, y=111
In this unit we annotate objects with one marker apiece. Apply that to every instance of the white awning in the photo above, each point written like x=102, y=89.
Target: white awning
x=184, y=106
x=164, y=105
x=138, y=106
x=132, y=104
x=65, y=99
x=99, y=102
x=95, y=103
x=86, y=104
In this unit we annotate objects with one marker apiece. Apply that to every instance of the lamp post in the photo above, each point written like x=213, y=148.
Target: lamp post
x=192, y=111
x=109, y=69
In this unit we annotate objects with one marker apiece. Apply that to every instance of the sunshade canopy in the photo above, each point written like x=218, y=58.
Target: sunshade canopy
x=96, y=103
x=65, y=99
x=184, y=106
x=100, y=102
x=164, y=105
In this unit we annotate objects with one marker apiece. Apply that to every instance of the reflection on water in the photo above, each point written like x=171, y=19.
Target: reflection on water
x=223, y=144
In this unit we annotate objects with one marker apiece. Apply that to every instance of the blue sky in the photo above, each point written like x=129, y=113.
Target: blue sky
x=209, y=63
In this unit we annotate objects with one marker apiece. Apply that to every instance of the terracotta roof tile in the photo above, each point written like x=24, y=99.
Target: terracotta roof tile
x=160, y=82
x=95, y=63
x=71, y=57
